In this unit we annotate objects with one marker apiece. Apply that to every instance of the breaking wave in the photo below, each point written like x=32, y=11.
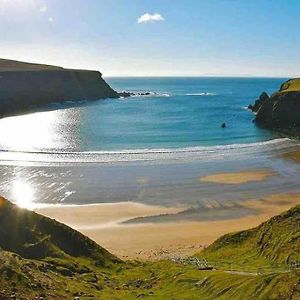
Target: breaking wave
x=201, y=94
x=164, y=154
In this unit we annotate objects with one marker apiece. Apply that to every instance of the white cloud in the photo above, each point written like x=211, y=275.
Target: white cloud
x=43, y=9
x=150, y=18
x=50, y=19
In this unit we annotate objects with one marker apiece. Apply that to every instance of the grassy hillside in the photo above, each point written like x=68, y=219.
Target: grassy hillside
x=292, y=85
x=273, y=243
x=134, y=280
x=13, y=65
x=31, y=235
x=41, y=257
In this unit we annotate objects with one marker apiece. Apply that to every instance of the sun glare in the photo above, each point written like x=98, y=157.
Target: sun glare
x=23, y=194
x=29, y=132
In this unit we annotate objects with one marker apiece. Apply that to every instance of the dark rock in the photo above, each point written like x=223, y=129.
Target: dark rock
x=280, y=112
x=223, y=125
x=125, y=94
x=25, y=89
x=259, y=102
x=64, y=271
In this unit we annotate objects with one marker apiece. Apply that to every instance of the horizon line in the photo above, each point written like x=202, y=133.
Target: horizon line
x=197, y=76
x=209, y=75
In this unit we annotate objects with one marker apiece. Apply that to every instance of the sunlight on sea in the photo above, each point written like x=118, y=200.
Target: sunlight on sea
x=40, y=131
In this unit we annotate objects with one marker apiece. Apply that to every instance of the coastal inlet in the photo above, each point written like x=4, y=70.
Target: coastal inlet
x=162, y=161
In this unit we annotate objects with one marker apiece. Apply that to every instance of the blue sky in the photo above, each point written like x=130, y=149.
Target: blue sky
x=172, y=37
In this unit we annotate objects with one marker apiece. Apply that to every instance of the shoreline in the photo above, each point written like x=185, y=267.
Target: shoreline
x=150, y=222
x=154, y=241
x=281, y=145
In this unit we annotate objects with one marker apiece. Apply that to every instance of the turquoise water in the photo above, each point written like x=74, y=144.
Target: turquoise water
x=185, y=112
x=180, y=113
x=150, y=149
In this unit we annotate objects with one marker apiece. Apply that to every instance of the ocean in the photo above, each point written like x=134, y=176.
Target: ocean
x=150, y=149
x=178, y=113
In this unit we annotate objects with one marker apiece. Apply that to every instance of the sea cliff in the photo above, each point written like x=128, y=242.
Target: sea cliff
x=24, y=87
x=280, y=111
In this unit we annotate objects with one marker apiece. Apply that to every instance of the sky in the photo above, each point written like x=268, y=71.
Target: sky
x=156, y=37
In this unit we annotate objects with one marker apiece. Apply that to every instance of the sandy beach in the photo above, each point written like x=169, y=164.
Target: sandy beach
x=151, y=241
x=292, y=155
x=174, y=209
x=239, y=177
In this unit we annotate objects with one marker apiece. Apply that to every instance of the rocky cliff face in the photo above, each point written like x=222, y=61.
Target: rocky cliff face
x=27, y=86
x=280, y=112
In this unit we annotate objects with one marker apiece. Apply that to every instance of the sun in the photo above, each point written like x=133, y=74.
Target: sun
x=23, y=194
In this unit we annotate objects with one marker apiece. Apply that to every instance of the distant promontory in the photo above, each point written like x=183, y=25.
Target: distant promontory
x=27, y=86
x=280, y=111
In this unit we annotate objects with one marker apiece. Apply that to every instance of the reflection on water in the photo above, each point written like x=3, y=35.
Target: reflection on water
x=160, y=184
x=189, y=117
x=40, y=131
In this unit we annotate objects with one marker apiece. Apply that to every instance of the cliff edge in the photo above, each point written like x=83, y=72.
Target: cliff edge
x=280, y=111
x=26, y=86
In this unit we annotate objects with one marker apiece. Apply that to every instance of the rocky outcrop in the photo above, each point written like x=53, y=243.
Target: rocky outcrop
x=125, y=94
x=262, y=98
x=24, y=87
x=279, y=112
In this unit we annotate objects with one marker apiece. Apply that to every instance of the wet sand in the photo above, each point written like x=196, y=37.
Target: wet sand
x=239, y=177
x=293, y=155
x=169, y=211
x=98, y=216
x=153, y=241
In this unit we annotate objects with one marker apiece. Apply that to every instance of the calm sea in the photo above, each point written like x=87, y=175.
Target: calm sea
x=150, y=149
x=179, y=113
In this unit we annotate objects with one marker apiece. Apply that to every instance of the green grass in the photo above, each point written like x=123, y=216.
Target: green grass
x=160, y=280
x=273, y=245
x=72, y=265
x=34, y=236
x=292, y=85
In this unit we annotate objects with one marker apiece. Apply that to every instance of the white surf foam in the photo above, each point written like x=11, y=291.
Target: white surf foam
x=232, y=151
x=201, y=94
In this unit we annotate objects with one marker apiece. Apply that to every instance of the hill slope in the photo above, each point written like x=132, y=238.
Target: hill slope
x=44, y=258
x=31, y=235
x=13, y=65
x=275, y=242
